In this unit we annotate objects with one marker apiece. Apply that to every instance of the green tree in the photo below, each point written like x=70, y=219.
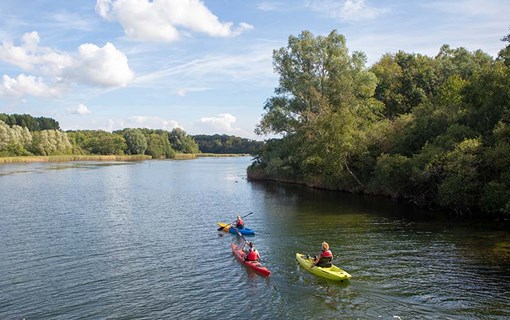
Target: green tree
x=461, y=185
x=51, y=142
x=135, y=141
x=323, y=103
x=15, y=140
x=504, y=54
x=159, y=147
x=100, y=142
x=182, y=142
x=392, y=175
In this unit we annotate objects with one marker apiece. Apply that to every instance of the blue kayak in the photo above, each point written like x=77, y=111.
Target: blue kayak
x=243, y=231
x=229, y=228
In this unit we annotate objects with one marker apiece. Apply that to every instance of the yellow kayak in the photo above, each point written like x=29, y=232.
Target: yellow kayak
x=332, y=273
x=224, y=226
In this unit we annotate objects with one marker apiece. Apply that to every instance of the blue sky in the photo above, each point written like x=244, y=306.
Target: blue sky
x=203, y=66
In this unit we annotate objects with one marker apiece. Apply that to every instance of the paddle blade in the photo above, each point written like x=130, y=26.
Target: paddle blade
x=221, y=228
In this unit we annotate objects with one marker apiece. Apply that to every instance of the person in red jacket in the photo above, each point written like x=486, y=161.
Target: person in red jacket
x=325, y=258
x=239, y=223
x=251, y=254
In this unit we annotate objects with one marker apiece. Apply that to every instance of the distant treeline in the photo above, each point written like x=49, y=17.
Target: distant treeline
x=29, y=122
x=433, y=130
x=24, y=135
x=225, y=144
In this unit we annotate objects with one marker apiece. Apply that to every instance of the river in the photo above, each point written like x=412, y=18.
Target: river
x=139, y=240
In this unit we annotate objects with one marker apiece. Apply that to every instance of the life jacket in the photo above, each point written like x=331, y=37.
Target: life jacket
x=240, y=223
x=252, y=255
x=325, y=259
x=327, y=254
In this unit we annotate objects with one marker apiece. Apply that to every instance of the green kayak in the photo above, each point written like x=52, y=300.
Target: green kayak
x=332, y=273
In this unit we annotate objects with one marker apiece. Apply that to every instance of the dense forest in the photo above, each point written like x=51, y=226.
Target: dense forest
x=433, y=130
x=224, y=144
x=24, y=135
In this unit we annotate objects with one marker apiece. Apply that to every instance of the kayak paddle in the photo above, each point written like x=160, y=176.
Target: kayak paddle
x=223, y=227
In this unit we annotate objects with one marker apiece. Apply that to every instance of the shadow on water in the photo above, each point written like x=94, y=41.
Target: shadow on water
x=397, y=253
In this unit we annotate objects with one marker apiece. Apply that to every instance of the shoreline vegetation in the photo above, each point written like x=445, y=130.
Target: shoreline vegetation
x=22, y=135
x=66, y=158
x=430, y=130
x=139, y=157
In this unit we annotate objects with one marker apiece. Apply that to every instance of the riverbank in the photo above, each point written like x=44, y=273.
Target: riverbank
x=258, y=174
x=65, y=158
x=188, y=156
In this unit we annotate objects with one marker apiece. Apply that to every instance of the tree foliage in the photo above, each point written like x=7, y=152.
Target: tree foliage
x=14, y=140
x=182, y=142
x=324, y=104
x=29, y=122
x=136, y=143
x=434, y=130
x=223, y=144
x=159, y=147
x=51, y=142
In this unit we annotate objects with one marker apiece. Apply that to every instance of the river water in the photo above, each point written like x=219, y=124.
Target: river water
x=139, y=240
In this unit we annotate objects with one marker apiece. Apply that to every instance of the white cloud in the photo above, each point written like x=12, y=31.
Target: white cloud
x=105, y=67
x=26, y=85
x=32, y=57
x=151, y=122
x=80, y=109
x=165, y=20
x=222, y=122
x=347, y=10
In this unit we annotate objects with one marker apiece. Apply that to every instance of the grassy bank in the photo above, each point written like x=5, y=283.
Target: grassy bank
x=65, y=158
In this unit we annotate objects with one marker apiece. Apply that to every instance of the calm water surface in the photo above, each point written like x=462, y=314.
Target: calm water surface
x=139, y=240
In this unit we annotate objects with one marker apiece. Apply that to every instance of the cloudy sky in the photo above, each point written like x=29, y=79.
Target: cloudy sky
x=203, y=66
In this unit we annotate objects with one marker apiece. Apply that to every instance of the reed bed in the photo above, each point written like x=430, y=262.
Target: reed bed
x=185, y=156
x=65, y=158
x=222, y=154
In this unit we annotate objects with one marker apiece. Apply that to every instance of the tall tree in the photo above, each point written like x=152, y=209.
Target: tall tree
x=135, y=141
x=182, y=142
x=323, y=102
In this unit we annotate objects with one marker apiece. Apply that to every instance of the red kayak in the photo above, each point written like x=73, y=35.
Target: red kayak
x=254, y=265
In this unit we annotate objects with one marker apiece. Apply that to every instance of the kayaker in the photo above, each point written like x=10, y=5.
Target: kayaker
x=239, y=222
x=251, y=254
x=325, y=258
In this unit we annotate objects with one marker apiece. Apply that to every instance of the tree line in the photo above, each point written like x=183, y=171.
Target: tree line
x=24, y=135
x=433, y=130
x=29, y=122
x=226, y=144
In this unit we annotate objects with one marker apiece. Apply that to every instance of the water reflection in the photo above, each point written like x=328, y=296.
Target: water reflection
x=141, y=241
